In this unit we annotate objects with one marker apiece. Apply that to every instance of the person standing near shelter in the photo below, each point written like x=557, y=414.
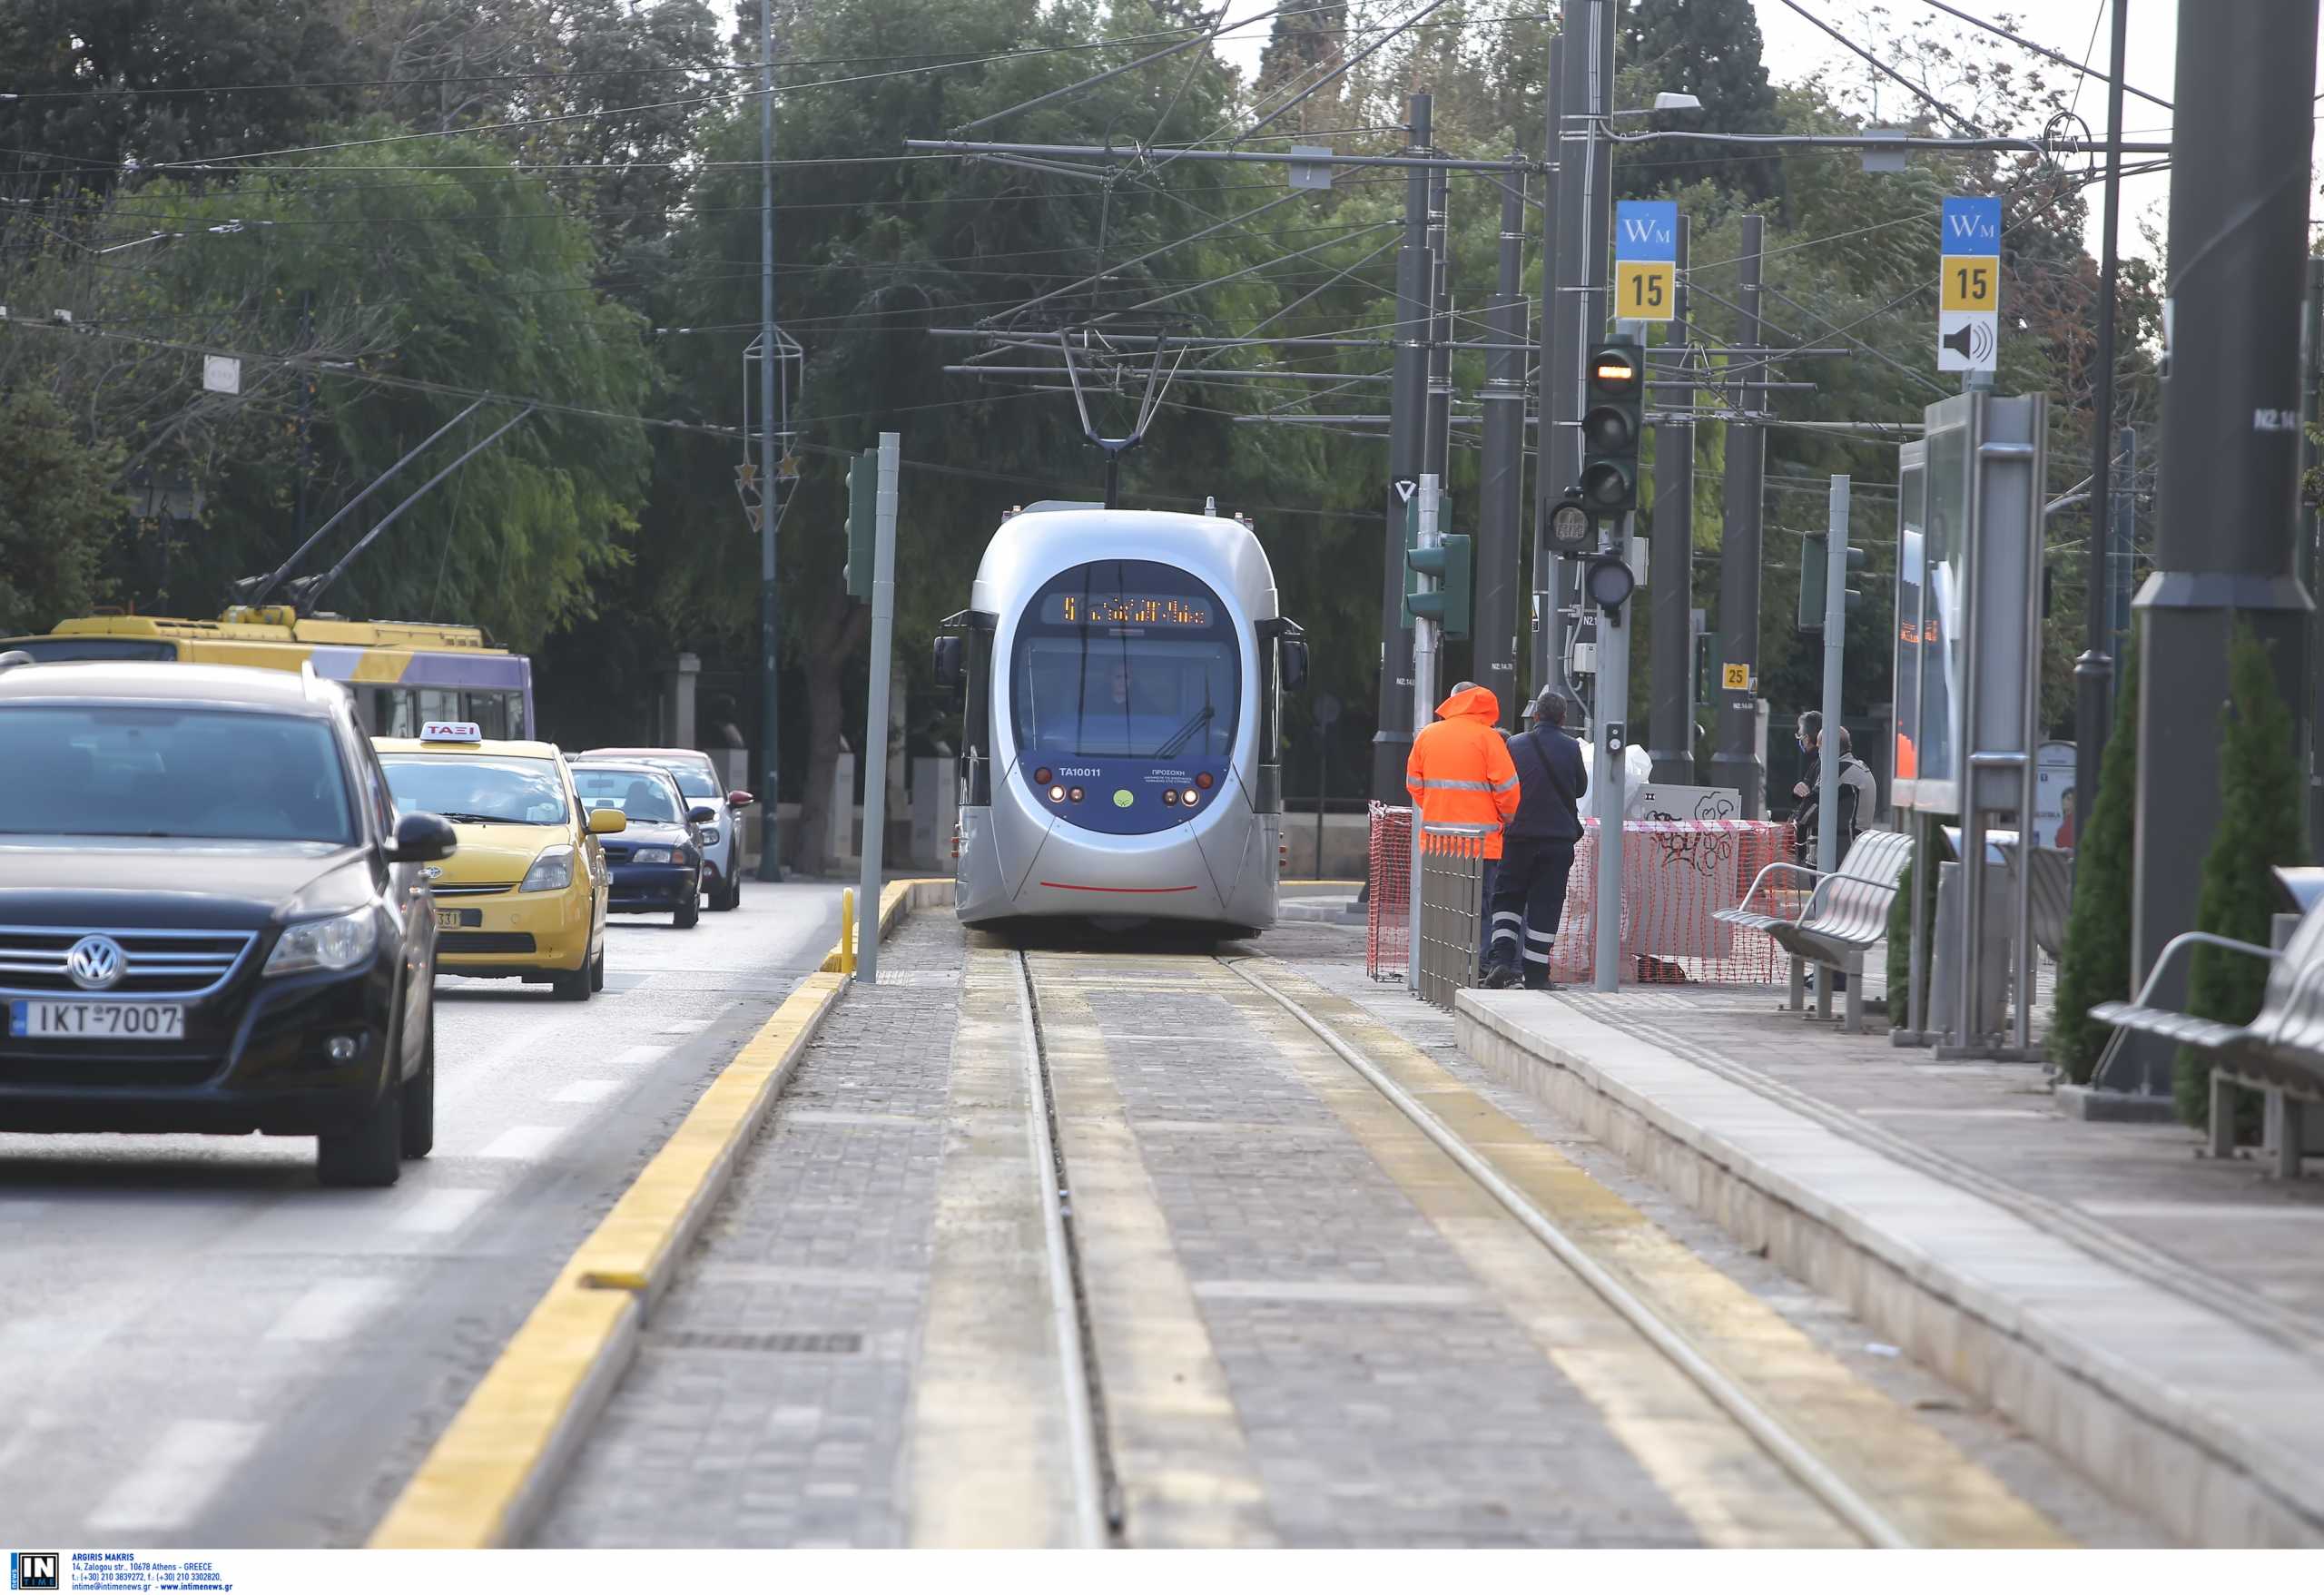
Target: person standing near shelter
x=1459, y=774
x=1529, y=891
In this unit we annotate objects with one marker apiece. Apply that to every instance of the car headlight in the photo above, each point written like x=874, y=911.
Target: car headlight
x=339, y=942
x=709, y=835
x=652, y=855
x=552, y=872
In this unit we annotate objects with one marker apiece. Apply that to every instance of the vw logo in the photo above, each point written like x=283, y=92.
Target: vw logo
x=93, y=962
x=432, y=871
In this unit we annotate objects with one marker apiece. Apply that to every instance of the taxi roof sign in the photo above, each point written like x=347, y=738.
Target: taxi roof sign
x=451, y=730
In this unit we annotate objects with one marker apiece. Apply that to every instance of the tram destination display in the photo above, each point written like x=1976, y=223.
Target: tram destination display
x=1124, y=609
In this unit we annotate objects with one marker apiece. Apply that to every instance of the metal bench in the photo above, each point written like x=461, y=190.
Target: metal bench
x=2280, y=1052
x=1843, y=917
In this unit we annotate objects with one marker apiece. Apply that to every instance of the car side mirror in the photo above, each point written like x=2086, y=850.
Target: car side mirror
x=422, y=839
x=703, y=814
x=740, y=800
x=1294, y=663
x=607, y=821
x=949, y=650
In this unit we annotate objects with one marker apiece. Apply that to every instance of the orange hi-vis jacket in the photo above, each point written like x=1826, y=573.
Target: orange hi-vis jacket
x=1460, y=773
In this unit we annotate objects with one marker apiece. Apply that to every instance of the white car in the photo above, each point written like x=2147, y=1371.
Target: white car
x=697, y=778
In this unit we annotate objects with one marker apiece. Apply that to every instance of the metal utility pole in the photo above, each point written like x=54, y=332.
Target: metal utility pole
x=1670, y=562
x=770, y=492
x=1438, y=450
x=2093, y=673
x=1427, y=639
x=1556, y=446
x=2231, y=429
x=1392, y=744
x=1735, y=759
x=1836, y=629
x=2311, y=458
x=1492, y=627
x=875, y=715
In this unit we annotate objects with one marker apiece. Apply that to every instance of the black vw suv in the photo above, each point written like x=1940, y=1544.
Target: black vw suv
x=211, y=918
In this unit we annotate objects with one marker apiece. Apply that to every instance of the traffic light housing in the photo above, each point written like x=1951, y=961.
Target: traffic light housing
x=1449, y=601
x=1613, y=413
x=863, y=521
x=1815, y=578
x=1572, y=529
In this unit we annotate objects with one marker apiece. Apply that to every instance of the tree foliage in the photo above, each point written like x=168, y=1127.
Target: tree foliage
x=2260, y=827
x=57, y=504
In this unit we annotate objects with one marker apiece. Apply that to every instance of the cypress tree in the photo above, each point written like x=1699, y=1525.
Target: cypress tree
x=1900, y=925
x=2096, y=965
x=2260, y=828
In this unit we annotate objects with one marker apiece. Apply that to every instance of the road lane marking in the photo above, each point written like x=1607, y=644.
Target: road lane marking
x=588, y=1091
x=523, y=1141
x=443, y=1210
x=832, y=1116
x=635, y=1055
x=683, y=1027
x=190, y=1463
x=331, y=1310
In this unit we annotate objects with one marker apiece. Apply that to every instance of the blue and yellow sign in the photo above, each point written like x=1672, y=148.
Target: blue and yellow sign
x=1646, y=261
x=1968, y=310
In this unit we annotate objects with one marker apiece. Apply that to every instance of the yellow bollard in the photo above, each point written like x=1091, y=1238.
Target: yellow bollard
x=847, y=931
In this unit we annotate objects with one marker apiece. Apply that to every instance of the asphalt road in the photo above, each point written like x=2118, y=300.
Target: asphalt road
x=199, y=1346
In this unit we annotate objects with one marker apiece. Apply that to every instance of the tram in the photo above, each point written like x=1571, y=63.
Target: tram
x=1120, y=759
x=402, y=673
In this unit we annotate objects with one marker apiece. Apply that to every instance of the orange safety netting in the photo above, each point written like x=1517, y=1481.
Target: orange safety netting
x=1677, y=874
x=1388, y=914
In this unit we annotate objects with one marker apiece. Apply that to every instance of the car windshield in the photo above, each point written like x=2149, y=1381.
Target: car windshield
x=1126, y=658
x=693, y=780
x=478, y=791
x=634, y=794
x=107, y=770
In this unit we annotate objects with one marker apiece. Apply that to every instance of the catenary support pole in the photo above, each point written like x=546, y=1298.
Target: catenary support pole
x=1492, y=628
x=1425, y=641
x=1670, y=562
x=2231, y=429
x=1437, y=455
x=2093, y=673
x=1735, y=759
x=1836, y=626
x=875, y=715
x=1556, y=457
x=1407, y=407
x=2311, y=526
x=770, y=504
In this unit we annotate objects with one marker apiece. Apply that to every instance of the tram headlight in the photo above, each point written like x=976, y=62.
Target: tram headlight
x=1075, y=794
x=1203, y=780
x=1041, y=776
x=1056, y=794
x=1170, y=796
x=1193, y=797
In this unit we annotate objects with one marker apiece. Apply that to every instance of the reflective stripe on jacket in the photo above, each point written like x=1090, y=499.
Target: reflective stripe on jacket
x=1459, y=772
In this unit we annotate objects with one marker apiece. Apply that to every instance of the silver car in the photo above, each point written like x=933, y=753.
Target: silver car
x=722, y=843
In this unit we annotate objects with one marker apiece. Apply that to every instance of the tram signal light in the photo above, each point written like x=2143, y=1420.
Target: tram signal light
x=1447, y=601
x=1572, y=529
x=1612, y=415
x=1816, y=582
x=863, y=521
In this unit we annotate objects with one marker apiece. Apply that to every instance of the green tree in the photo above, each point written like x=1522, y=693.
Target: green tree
x=2260, y=828
x=57, y=508
x=1710, y=49
x=2096, y=965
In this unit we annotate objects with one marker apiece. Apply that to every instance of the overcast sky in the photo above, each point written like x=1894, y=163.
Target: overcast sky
x=2080, y=29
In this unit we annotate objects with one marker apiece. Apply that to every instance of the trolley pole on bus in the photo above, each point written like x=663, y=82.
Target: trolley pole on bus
x=875, y=715
x=1426, y=640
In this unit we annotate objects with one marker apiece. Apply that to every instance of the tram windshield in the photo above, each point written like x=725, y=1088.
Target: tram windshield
x=1126, y=658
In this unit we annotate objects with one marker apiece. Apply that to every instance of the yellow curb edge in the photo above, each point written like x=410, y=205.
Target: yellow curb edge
x=490, y=1472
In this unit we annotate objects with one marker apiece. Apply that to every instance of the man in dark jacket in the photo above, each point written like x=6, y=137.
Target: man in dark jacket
x=1537, y=854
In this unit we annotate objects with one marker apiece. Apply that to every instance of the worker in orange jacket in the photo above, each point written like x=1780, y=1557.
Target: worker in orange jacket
x=1460, y=773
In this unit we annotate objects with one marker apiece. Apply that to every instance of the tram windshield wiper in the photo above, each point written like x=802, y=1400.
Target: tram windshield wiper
x=1185, y=733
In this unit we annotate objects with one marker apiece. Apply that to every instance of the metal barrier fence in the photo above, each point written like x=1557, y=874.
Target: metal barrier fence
x=1451, y=909
x=1388, y=895
x=1676, y=875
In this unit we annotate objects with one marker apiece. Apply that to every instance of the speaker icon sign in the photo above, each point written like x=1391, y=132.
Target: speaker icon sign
x=1967, y=340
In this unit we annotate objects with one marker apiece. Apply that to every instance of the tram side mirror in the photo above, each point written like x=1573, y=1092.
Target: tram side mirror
x=949, y=650
x=1294, y=663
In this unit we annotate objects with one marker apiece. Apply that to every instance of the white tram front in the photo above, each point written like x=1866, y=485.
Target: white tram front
x=1119, y=757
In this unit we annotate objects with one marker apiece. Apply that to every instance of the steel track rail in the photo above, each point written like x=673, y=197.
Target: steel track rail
x=1096, y=1512
x=1792, y=1453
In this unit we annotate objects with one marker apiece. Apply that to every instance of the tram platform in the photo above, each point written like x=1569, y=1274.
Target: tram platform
x=2155, y=1316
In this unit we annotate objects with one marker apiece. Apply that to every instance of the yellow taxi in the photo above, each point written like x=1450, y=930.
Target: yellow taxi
x=525, y=896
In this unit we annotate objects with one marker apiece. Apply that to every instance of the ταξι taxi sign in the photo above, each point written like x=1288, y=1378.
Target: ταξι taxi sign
x=451, y=730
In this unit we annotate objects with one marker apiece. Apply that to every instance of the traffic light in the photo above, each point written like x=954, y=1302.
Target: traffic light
x=863, y=521
x=1572, y=529
x=1448, y=601
x=1815, y=578
x=1613, y=410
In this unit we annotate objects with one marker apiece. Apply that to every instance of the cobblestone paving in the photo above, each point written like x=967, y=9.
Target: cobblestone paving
x=724, y=1432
